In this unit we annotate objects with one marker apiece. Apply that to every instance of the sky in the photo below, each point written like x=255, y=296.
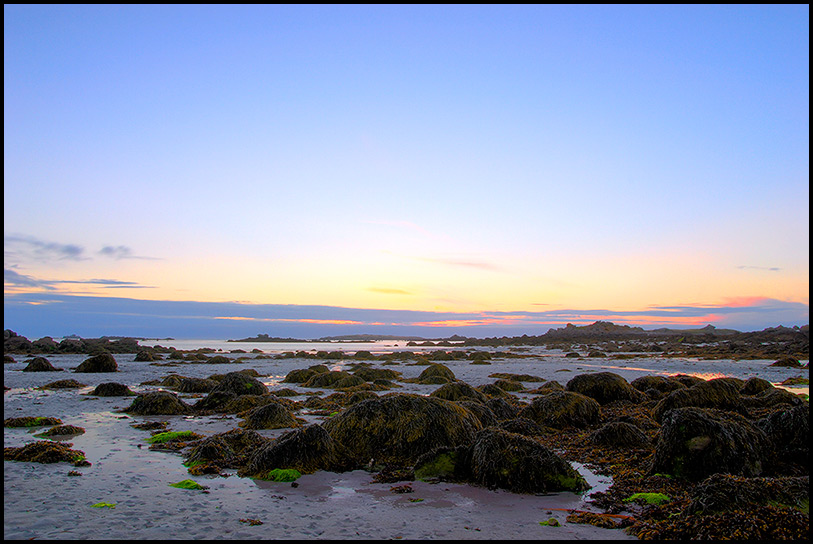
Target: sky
x=212, y=171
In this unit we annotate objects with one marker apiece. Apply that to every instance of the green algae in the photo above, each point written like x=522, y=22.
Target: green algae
x=552, y=522
x=161, y=438
x=282, y=475
x=649, y=498
x=187, y=484
x=103, y=505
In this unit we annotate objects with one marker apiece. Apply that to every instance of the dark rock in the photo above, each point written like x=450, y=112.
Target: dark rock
x=563, y=409
x=40, y=364
x=104, y=362
x=695, y=443
x=458, y=391
x=398, y=428
x=112, y=389
x=158, y=403
x=604, y=387
x=618, y=434
x=307, y=450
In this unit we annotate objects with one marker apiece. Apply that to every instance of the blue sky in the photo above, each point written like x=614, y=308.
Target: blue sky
x=459, y=160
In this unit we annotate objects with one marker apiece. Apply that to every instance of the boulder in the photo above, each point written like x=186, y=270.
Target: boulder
x=274, y=415
x=104, y=362
x=604, y=387
x=112, y=389
x=399, y=428
x=239, y=383
x=40, y=364
x=694, y=443
x=619, y=434
x=307, y=450
x=563, y=409
x=458, y=391
x=158, y=403
x=719, y=393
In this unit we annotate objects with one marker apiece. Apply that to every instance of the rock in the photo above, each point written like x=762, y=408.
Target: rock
x=789, y=433
x=695, y=443
x=398, y=428
x=335, y=379
x=238, y=383
x=307, y=450
x=112, y=389
x=619, y=434
x=563, y=409
x=63, y=384
x=662, y=384
x=273, y=415
x=498, y=459
x=436, y=373
x=719, y=393
x=787, y=361
x=604, y=387
x=521, y=425
x=754, y=385
x=104, y=362
x=458, y=391
x=40, y=364
x=158, y=403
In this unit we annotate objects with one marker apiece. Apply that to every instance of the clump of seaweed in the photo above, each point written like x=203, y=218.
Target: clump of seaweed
x=435, y=374
x=45, y=451
x=30, y=421
x=604, y=387
x=63, y=384
x=458, y=390
x=61, y=430
x=188, y=484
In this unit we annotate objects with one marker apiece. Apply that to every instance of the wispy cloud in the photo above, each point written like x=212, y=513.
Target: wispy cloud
x=15, y=279
x=767, y=268
x=29, y=247
x=121, y=252
x=389, y=291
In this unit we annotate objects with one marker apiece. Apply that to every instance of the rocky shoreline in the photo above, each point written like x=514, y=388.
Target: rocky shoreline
x=689, y=458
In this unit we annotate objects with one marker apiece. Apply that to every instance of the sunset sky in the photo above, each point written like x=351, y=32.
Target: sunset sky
x=222, y=171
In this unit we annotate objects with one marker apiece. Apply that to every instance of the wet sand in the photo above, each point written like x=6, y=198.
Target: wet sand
x=43, y=501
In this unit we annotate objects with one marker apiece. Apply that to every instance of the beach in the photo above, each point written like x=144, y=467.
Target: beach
x=56, y=501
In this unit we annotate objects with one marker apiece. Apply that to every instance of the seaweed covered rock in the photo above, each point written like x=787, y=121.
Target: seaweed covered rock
x=788, y=362
x=226, y=450
x=104, y=362
x=521, y=425
x=370, y=374
x=147, y=356
x=480, y=410
x=307, y=450
x=563, y=409
x=502, y=408
x=158, y=403
x=273, y=415
x=719, y=393
x=694, y=443
x=301, y=375
x=112, y=389
x=458, y=391
x=619, y=434
x=240, y=383
x=44, y=451
x=789, y=434
x=62, y=430
x=435, y=374
x=755, y=385
x=724, y=492
x=604, y=387
x=184, y=384
x=333, y=379
x=31, y=421
x=661, y=384
x=504, y=460
x=40, y=364
x=397, y=428
x=63, y=384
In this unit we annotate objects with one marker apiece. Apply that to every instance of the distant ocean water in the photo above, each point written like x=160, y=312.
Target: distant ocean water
x=280, y=347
